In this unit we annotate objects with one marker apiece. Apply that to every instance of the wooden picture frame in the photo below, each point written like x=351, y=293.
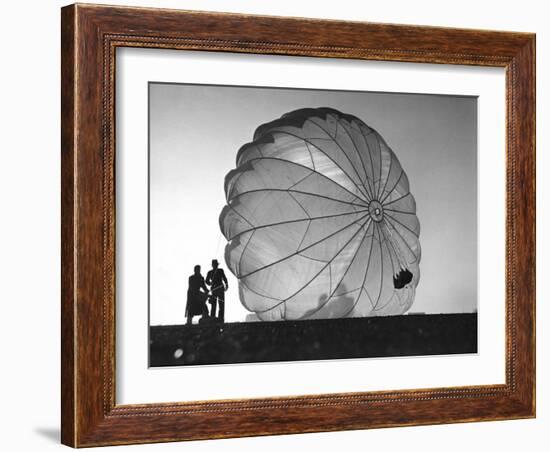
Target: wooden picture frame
x=90, y=35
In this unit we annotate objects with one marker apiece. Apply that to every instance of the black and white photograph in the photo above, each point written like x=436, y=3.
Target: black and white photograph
x=298, y=224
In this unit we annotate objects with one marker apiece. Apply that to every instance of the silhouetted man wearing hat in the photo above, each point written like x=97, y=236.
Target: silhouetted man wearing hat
x=217, y=281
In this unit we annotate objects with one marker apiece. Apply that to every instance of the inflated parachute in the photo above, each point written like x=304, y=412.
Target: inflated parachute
x=320, y=222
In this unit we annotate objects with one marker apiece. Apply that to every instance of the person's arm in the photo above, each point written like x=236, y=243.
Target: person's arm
x=209, y=278
x=224, y=279
x=204, y=285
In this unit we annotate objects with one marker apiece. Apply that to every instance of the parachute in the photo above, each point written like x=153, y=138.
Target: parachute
x=320, y=221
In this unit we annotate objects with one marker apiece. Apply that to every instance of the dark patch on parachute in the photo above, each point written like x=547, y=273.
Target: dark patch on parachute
x=403, y=278
x=297, y=118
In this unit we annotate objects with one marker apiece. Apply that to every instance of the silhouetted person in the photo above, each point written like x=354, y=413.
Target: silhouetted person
x=197, y=293
x=217, y=281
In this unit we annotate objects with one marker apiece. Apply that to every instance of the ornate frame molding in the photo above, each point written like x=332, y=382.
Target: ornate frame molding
x=90, y=37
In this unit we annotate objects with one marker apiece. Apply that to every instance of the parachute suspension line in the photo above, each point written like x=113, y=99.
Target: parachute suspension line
x=370, y=223
x=218, y=245
x=364, y=280
x=381, y=268
x=406, y=227
x=386, y=241
x=396, y=248
x=398, y=255
x=306, y=248
x=404, y=241
x=322, y=269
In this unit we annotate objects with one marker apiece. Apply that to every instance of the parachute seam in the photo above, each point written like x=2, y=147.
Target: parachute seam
x=310, y=156
x=398, y=199
x=350, y=291
x=244, y=250
x=309, y=169
x=344, y=275
x=358, y=154
x=255, y=228
x=389, y=172
x=240, y=215
x=324, y=267
x=380, y=172
x=311, y=259
x=364, y=279
x=400, y=211
x=293, y=185
x=305, y=233
x=297, y=202
x=374, y=180
x=339, y=282
x=259, y=149
x=370, y=158
x=306, y=140
x=258, y=293
x=343, y=152
x=241, y=174
x=355, y=204
x=393, y=188
x=327, y=263
x=299, y=251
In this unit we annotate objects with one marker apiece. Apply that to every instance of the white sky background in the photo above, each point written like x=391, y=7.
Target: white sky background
x=196, y=131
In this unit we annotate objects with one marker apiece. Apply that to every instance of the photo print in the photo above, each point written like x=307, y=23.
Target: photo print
x=294, y=224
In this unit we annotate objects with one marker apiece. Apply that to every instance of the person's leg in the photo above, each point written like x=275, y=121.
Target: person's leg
x=204, y=311
x=189, y=319
x=213, y=307
x=222, y=309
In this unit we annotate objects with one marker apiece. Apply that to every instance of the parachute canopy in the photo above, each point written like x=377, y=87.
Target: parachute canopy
x=320, y=222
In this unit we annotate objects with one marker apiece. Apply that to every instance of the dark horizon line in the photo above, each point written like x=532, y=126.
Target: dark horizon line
x=270, y=322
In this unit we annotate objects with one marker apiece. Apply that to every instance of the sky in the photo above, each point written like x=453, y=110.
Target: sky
x=195, y=132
